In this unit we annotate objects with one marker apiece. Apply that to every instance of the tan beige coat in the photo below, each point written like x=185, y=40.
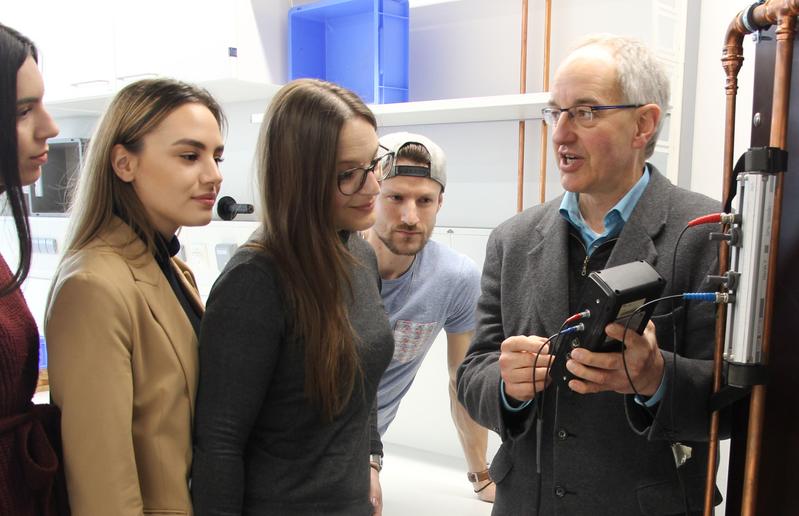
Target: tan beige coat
x=123, y=369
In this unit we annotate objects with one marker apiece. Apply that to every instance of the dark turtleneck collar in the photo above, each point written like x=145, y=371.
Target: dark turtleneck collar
x=166, y=249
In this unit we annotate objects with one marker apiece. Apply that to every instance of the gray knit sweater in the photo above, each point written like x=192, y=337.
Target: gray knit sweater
x=261, y=447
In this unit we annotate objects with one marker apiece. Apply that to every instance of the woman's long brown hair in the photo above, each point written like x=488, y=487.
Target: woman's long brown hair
x=14, y=50
x=296, y=168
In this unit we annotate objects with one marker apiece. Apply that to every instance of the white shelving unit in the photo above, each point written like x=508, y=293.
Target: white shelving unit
x=224, y=91
x=456, y=111
x=494, y=108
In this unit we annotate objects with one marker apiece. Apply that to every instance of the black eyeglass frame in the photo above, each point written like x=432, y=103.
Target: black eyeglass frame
x=549, y=111
x=384, y=171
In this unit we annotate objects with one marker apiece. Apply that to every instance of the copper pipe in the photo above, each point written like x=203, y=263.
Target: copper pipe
x=522, y=89
x=786, y=32
x=782, y=12
x=520, y=173
x=732, y=59
x=542, y=178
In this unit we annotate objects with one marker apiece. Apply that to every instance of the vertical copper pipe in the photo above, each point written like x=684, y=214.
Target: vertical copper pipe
x=782, y=12
x=786, y=33
x=732, y=59
x=522, y=89
x=542, y=179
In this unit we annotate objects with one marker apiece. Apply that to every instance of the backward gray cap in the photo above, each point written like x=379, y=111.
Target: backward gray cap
x=438, y=161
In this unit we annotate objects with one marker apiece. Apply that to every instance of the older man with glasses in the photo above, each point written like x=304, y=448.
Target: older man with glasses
x=606, y=442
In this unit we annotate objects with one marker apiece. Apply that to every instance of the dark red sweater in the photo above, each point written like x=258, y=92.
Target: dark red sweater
x=26, y=478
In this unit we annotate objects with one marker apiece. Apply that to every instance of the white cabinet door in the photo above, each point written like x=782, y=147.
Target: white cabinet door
x=74, y=43
x=184, y=39
x=469, y=241
x=92, y=48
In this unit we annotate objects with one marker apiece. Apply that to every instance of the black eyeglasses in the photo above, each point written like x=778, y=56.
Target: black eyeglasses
x=582, y=115
x=351, y=181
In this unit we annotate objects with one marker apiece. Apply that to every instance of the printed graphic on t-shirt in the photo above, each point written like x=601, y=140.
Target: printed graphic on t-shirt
x=409, y=339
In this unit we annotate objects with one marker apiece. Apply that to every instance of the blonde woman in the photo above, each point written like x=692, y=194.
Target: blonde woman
x=124, y=313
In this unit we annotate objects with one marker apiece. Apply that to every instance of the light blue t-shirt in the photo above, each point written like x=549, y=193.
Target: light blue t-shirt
x=439, y=290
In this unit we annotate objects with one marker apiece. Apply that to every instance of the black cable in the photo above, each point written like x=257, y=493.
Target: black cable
x=539, y=413
x=624, y=347
x=539, y=428
x=669, y=432
x=539, y=419
x=555, y=346
x=680, y=479
x=674, y=342
x=539, y=408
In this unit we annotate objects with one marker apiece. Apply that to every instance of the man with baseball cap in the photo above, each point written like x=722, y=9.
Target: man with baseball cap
x=426, y=287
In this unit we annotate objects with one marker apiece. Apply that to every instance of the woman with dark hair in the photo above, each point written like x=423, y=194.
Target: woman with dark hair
x=29, y=445
x=124, y=313
x=295, y=337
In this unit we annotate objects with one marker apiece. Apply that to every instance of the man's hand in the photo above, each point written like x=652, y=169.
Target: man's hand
x=598, y=372
x=375, y=492
x=518, y=366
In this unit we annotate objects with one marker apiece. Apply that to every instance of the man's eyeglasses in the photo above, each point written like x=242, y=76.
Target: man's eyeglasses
x=351, y=181
x=582, y=115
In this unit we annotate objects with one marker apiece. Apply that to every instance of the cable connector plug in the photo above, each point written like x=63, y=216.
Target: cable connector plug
x=712, y=218
x=710, y=297
x=725, y=298
x=573, y=329
x=585, y=314
x=730, y=218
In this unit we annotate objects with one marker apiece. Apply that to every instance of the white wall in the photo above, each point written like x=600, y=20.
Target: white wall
x=708, y=147
x=460, y=49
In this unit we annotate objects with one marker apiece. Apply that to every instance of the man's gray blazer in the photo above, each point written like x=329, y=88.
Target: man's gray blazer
x=602, y=454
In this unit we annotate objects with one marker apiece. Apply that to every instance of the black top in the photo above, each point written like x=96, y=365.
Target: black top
x=581, y=265
x=261, y=446
x=163, y=253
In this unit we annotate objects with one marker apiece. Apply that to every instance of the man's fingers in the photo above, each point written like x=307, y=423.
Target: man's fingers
x=582, y=387
x=599, y=360
x=521, y=343
x=588, y=374
x=616, y=331
x=525, y=375
x=509, y=361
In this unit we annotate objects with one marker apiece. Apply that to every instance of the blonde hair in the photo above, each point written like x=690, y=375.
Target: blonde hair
x=133, y=113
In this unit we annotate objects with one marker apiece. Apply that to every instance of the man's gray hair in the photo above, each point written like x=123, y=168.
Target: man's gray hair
x=641, y=76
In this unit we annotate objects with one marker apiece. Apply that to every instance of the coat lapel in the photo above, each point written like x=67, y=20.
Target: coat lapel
x=188, y=284
x=548, y=258
x=648, y=219
x=160, y=298
x=548, y=267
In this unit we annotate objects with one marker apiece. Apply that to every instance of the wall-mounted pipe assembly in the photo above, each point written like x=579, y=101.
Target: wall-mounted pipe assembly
x=760, y=15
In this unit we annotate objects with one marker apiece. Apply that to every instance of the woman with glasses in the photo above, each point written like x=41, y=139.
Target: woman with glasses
x=29, y=465
x=295, y=337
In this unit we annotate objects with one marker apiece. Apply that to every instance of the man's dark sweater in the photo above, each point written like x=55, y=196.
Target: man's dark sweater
x=261, y=446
